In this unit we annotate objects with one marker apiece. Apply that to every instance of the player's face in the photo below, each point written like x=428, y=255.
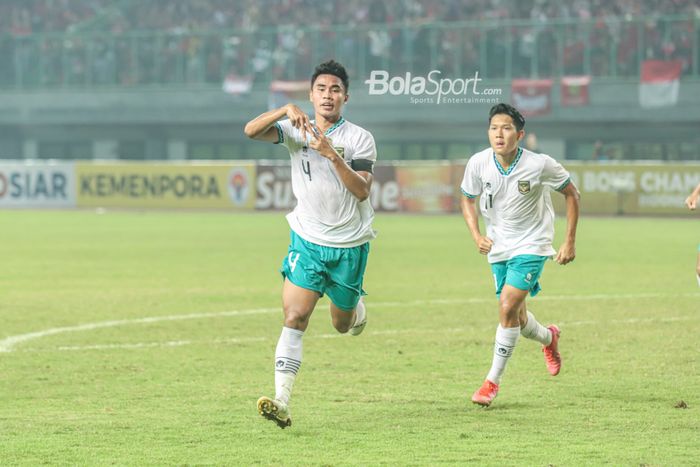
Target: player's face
x=328, y=96
x=503, y=135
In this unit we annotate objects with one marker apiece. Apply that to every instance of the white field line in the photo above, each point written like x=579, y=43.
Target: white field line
x=145, y=345
x=8, y=344
x=385, y=332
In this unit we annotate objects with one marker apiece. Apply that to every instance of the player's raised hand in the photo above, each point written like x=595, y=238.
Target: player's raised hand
x=299, y=119
x=484, y=245
x=692, y=202
x=322, y=144
x=566, y=253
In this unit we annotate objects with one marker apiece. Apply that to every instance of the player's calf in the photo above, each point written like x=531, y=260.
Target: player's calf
x=360, y=319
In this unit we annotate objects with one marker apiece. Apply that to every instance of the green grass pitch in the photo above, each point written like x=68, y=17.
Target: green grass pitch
x=135, y=338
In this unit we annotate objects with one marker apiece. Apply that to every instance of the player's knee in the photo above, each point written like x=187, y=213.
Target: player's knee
x=342, y=325
x=510, y=310
x=295, y=317
x=509, y=306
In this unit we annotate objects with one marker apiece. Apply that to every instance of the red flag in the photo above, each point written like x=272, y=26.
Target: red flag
x=574, y=90
x=282, y=92
x=234, y=84
x=532, y=96
x=294, y=90
x=660, y=80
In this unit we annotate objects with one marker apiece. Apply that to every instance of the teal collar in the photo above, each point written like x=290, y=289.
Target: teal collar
x=512, y=166
x=340, y=121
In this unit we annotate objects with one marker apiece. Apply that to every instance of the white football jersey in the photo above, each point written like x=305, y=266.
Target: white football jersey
x=516, y=204
x=326, y=212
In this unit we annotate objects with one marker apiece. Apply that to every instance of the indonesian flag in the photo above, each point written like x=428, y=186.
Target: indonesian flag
x=659, y=83
x=282, y=92
x=236, y=85
x=532, y=96
x=294, y=90
x=574, y=90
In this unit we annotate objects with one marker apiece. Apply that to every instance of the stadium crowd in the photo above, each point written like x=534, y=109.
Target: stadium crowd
x=32, y=16
x=204, y=40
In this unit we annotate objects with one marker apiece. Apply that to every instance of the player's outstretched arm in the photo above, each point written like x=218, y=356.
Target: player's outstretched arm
x=567, y=251
x=261, y=128
x=471, y=218
x=692, y=201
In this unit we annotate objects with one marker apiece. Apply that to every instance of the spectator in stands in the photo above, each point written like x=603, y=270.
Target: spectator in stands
x=184, y=54
x=531, y=143
x=599, y=154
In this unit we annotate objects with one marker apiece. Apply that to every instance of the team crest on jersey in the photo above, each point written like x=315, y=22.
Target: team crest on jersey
x=340, y=150
x=524, y=186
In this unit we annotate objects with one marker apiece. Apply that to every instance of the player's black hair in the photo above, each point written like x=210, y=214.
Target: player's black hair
x=507, y=109
x=331, y=67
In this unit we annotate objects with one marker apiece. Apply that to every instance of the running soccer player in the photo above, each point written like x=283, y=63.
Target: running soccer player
x=691, y=202
x=513, y=186
x=331, y=225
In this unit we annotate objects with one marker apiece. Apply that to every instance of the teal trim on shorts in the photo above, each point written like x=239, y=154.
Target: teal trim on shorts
x=338, y=272
x=522, y=272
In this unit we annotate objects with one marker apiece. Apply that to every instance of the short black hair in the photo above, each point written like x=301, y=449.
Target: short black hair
x=508, y=109
x=331, y=67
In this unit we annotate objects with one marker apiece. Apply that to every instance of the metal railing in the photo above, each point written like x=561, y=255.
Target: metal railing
x=605, y=48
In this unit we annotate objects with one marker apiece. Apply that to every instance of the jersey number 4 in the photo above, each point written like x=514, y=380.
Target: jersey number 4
x=306, y=168
x=292, y=262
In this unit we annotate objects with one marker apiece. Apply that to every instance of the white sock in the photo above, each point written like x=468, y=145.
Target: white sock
x=287, y=362
x=360, y=311
x=506, y=338
x=534, y=330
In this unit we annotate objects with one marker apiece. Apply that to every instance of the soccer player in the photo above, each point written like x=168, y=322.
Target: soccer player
x=513, y=186
x=331, y=225
x=692, y=201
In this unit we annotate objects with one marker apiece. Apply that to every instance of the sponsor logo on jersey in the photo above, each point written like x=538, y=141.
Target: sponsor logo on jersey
x=524, y=187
